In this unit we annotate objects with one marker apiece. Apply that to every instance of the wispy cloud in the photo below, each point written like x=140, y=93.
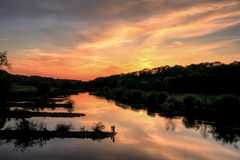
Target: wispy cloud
x=87, y=39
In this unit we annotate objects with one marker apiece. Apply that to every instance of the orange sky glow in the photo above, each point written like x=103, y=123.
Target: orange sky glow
x=84, y=40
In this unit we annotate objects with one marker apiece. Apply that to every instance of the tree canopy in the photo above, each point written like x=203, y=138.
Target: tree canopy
x=213, y=77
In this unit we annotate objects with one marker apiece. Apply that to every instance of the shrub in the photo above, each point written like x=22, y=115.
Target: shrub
x=151, y=97
x=228, y=103
x=25, y=125
x=136, y=96
x=167, y=107
x=119, y=93
x=98, y=127
x=126, y=95
x=162, y=97
x=191, y=101
x=62, y=127
x=171, y=104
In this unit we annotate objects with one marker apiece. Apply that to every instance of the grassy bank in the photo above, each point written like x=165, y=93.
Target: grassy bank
x=178, y=103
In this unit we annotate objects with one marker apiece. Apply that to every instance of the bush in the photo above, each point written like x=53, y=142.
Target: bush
x=126, y=96
x=191, y=101
x=25, y=125
x=136, y=96
x=119, y=93
x=229, y=103
x=162, y=97
x=171, y=104
x=62, y=127
x=151, y=98
x=98, y=127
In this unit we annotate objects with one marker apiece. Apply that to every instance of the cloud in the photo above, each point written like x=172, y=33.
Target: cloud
x=173, y=25
x=3, y=39
x=86, y=39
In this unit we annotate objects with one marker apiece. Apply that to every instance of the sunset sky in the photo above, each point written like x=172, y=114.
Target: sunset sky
x=85, y=39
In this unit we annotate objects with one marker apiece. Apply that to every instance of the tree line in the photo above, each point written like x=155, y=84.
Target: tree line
x=207, y=78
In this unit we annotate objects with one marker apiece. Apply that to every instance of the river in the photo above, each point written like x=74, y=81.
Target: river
x=140, y=135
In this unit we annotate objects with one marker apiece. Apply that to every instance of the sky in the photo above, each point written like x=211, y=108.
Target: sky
x=85, y=39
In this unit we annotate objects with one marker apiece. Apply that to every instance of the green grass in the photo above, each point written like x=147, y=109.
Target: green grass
x=23, y=89
x=203, y=97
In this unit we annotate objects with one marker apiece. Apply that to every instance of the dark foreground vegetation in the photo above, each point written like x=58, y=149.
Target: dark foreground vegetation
x=27, y=134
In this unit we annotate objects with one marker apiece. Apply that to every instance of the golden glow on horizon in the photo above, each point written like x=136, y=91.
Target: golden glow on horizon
x=163, y=38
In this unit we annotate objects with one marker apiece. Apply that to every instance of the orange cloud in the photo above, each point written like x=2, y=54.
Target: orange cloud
x=162, y=38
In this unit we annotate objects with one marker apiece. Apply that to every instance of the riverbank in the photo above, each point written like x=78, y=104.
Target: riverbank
x=28, y=114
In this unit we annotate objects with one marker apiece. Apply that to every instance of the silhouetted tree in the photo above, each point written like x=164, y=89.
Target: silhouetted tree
x=213, y=77
x=4, y=60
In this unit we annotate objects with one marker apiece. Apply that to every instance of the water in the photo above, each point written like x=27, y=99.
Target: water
x=140, y=136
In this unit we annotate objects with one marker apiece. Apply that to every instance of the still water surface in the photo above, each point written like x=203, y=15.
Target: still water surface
x=140, y=136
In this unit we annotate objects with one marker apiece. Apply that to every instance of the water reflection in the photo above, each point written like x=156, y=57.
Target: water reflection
x=27, y=134
x=142, y=134
x=227, y=131
x=2, y=122
x=25, y=143
x=170, y=124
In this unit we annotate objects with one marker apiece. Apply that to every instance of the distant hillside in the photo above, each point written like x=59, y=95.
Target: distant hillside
x=210, y=78
x=213, y=77
x=35, y=80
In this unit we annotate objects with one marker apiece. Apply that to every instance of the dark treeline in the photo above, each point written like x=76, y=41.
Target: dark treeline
x=38, y=89
x=203, y=94
x=37, y=93
x=154, y=87
x=207, y=78
x=42, y=83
